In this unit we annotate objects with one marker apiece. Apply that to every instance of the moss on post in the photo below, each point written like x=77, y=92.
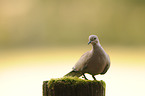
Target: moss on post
x=73, y=86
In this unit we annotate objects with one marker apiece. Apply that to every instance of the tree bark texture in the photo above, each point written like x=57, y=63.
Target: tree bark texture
x=63, y=88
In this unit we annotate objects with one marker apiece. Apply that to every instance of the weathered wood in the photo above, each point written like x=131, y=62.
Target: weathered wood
x=73, y=87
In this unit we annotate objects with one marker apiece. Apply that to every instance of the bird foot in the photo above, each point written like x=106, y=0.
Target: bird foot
x=84, y=77
x=93, y=77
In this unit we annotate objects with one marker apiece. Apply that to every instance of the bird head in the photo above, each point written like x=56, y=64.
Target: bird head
x=93, y=39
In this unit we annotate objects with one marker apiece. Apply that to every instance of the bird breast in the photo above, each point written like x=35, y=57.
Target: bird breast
x=96, y=64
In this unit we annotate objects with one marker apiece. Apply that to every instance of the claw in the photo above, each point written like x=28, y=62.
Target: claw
x=84, y=77
x=93, y=77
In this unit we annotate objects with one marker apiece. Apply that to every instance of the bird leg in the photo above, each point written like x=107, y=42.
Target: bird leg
x=93, y=77
x=84, y=77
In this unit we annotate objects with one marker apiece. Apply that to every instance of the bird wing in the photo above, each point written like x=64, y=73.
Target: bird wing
x=82, y=62
x=107, y=66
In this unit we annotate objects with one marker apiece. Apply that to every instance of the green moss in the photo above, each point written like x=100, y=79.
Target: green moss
x=103, y=83
x=72, y=81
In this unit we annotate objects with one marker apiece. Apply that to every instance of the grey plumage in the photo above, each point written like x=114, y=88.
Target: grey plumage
x=94, y=62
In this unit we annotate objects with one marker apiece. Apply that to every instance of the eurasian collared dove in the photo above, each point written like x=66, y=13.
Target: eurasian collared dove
x=94, y=62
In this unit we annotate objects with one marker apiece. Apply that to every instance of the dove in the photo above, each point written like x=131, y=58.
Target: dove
x=93, y=62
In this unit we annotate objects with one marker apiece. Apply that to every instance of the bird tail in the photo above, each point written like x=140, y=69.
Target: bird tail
x=73, y=74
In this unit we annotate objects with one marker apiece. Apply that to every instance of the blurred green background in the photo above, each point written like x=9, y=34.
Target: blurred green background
x=54, y=22
x=43, y=39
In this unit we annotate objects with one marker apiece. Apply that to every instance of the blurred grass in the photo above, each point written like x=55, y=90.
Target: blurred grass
x=48, y=23
x=120, y=56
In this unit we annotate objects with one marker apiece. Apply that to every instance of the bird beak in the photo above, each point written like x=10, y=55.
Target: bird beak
x=89, y=42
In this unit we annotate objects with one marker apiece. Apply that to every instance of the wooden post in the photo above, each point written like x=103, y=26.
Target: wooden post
x=70, y=86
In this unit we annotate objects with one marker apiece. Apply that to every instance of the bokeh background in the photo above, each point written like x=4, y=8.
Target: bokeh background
x=43, y=39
